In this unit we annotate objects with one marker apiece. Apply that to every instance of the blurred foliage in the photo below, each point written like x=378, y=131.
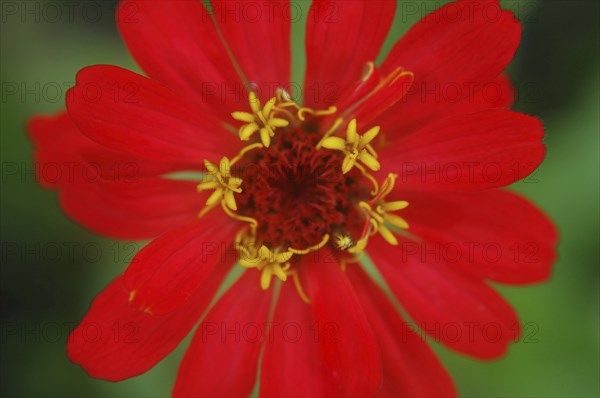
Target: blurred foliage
x=43, y=295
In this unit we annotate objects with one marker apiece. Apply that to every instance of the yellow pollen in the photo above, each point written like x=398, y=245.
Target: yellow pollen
x=355, y=147
x=343, y=241
x=262, y=119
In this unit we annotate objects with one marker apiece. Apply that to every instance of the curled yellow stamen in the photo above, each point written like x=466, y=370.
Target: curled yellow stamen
x=253, y=223
x=284, y=101
x=244, y=151
x=368, y=73
x=369, y=177
x=298, y=285
x=311, y=248
x=323, y=112
x=386, y=188
x=344, y=261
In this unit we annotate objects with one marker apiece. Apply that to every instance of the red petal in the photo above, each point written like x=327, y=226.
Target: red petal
x=115, y=340
x=258, y=35
x=410, y=368
x=353, y=358
x=346, y=344
x=176, y=43
x=164, y=274
x=139, y=209
x=453, y=52
x=468, y=152
x=383, y=98
x=66, y=157
x=458, y=310
x=341, y=37
x=126, y=111
x=223, y=358
x=497, y=233
x=109, y=191
x=497, y=94
x=292, y=349
x=372, y=96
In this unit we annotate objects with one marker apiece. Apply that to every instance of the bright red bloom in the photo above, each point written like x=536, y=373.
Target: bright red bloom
x=399, y=169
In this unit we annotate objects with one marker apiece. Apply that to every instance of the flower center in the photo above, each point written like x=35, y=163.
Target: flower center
x=299, y=189
x=294, y=191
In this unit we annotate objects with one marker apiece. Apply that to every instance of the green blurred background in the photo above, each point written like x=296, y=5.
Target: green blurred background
x=52, y=267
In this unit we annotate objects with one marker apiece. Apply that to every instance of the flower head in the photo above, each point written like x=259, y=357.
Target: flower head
x=306, y=192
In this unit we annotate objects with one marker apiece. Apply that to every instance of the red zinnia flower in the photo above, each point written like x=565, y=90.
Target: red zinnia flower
x=378, y=160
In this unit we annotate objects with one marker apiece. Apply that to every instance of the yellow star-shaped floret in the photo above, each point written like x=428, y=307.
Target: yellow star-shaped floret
x=379, y=212
x=356, y=147
x=220, y=179
x=268, y=262
x=262, y=120
x=380, y=216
